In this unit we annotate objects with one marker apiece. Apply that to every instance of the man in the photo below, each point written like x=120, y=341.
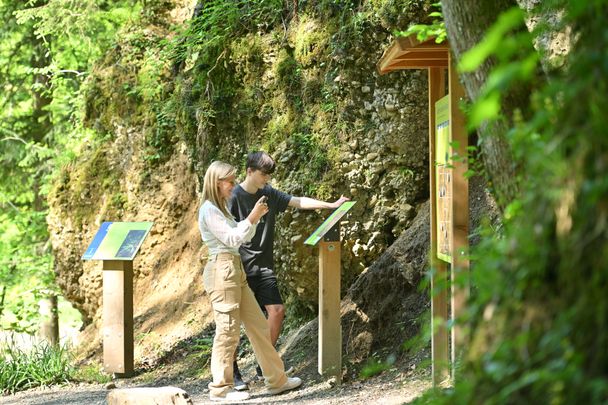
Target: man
x=257, y=255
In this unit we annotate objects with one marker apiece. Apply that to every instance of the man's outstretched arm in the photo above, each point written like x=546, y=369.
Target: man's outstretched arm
x=305, y=203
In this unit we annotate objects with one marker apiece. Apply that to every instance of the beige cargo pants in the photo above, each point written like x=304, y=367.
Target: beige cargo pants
x=233, y=302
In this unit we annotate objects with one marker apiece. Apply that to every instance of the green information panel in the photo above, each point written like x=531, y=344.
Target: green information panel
x=329, y=223
x=117, y=241
x=443, y=178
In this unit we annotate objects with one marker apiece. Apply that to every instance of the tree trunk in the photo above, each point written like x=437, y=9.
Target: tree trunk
x=466, y=23
x=49, y=320
x=2, y=296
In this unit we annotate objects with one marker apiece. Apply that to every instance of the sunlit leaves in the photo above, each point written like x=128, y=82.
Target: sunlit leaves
x=495, y=42
x=47, y=49
x=539, y=297
x=425, y=31
x=509, y=42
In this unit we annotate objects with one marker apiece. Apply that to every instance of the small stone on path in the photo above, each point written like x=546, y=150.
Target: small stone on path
x=149, y=395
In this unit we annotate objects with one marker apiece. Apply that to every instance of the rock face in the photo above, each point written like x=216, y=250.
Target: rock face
x=385, y=307
x=380, y=160
x=169, y=302
x=310, y=95
x=386, y=297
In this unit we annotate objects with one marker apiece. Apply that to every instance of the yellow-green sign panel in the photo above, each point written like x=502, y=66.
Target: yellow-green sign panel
x=443, y=178
x=329, y=223
x=117, y=241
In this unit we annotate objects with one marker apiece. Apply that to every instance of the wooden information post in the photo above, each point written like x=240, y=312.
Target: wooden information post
x=449, y=192
x=116, y=244
x=330, y=329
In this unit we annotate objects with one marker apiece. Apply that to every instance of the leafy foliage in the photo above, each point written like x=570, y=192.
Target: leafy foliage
x=539, y=313
x=517, y=62
x=218, y=21
x=46, y=50
x=374, y=366
x=436, y=29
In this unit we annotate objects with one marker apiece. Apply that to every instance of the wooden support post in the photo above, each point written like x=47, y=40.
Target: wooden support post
x=49, y=322
x=117, y=317
x=409, y=53
x=330, y=329
x=439, y=293
x=460, y=212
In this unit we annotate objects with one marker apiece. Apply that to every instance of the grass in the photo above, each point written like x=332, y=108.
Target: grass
x=39, y=365
x=92, y=373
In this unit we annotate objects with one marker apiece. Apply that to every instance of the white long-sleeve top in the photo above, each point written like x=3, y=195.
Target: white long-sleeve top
x=220, y=233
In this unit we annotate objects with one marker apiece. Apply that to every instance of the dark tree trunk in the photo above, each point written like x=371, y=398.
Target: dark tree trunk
x=40, y=124
x=41, y=120
x=49, y=319
x=466, y=22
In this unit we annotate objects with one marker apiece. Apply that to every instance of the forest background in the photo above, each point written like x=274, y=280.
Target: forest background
x=538, y=315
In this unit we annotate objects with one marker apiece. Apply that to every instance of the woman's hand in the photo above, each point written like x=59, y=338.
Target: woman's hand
x=259, y=210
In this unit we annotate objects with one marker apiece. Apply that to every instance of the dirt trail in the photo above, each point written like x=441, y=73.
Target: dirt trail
x=391, y=387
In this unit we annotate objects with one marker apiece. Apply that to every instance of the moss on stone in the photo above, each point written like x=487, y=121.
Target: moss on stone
x=310, y=40
x=82, y=189
x=293, y=89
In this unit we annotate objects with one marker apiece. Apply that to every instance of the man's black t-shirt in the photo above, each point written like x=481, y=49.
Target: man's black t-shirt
x=258, y=253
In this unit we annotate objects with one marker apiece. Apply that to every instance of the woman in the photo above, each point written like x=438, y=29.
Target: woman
x=231, y=298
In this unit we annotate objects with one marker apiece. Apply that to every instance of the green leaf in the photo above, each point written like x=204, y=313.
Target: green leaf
x=485, y=109
x=492, y=41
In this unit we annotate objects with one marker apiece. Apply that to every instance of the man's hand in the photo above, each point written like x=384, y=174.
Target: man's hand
x=305, y=203
x=339, y=202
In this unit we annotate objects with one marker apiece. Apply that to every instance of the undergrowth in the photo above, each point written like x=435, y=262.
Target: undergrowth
x=39, y=365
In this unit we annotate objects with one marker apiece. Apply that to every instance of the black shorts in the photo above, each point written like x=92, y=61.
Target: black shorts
x=265, y=288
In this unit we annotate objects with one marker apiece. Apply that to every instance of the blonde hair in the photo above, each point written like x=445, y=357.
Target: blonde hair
x=217, y=171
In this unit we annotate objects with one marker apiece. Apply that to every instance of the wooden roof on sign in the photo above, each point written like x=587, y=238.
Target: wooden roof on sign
x=409, y=53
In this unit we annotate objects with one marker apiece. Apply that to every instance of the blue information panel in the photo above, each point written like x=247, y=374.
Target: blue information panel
x=117, y=241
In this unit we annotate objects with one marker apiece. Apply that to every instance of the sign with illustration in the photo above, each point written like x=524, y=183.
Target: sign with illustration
x=117, y=241
x=329, y=223
x=443, y=173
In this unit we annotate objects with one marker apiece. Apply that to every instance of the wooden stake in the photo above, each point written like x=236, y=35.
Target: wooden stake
x=439, y=293
x=117, y=317
x=460, y=213
x=330, y=329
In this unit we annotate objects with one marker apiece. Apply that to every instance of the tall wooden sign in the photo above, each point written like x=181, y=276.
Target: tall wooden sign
x=116, y=244
x=330, y=329
x=449, y=192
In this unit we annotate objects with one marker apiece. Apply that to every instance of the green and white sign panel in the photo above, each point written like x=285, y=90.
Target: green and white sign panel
x=443, y=178
x=329, y=223
x=117, y=241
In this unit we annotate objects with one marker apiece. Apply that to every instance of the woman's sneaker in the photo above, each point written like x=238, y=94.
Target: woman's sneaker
x=259, y=376
x=292, y=382
x=231, y=395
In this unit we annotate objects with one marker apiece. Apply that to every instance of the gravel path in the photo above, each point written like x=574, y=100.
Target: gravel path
x=390, y=388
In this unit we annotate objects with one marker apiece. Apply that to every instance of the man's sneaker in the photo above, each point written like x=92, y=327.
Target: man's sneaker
x=239, y=384
x=292, y=382
x=259, y=376
x=231, y=395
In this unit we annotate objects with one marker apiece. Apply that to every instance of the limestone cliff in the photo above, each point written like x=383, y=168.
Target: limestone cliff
x=306, y=90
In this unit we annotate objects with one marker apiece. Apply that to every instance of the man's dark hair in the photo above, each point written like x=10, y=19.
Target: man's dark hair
x=260, y=161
